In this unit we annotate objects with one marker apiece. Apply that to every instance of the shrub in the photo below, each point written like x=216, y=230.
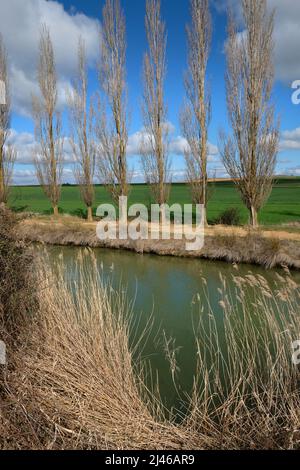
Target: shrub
x=230, y=216
x=16, y=274
x=18, y=302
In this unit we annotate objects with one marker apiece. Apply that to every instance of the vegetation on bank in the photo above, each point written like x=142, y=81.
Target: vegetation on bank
x=233, y=245
x=71, y=381
x=282, y=207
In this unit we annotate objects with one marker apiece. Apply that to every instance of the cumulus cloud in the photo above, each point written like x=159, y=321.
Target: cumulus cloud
x=178, y=175
x=26, y=147
x=135, y=142
x=175, y=175
x=286, y=35
x=287, y=39
x=222, y=6
x=25, y=177
x=290, y=140
x=295, y=171
x=177, y=144
x=20, y=23
x=218, y=172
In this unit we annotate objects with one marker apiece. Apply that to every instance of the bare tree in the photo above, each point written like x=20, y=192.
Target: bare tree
x=249, y=154
x=154, y=148
x=49, y=154
x=195, y=116
x=112, y=130
x=81, y=130
x=7, y=151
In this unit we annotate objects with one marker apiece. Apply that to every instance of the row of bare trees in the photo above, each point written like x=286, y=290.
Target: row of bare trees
x=249, y=152
x=99, y=127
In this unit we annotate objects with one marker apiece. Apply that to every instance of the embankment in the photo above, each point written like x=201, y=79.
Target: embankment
x=233, y=245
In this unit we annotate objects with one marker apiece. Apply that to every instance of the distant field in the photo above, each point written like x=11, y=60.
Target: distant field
x=282, y=207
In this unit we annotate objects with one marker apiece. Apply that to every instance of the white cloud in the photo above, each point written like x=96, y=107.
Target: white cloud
x=26, y=145
x=177, y=144
x=290, y=140
x=24, y=177
x=222, y=6
x=295, y=171
x=289, y=145
x=134, y=143
x=287, y=39
x=218, y=172
x=20, y=25
x=293, y=134
x=175, y=175
x=286, y=35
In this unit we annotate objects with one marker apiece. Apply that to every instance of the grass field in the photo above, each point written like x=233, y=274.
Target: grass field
x=282, y=207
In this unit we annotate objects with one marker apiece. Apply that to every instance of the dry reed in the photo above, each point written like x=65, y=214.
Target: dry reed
x=246, y=388
x=74, y=382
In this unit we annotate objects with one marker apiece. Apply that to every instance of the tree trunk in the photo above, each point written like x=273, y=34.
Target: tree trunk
x=89, y=214
x=253, y=217
x=204, y=214
x=55, y=211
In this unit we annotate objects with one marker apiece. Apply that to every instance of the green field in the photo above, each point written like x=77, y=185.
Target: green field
x=282, y=207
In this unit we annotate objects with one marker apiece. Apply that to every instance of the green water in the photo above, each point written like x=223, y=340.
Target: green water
x=168, y=289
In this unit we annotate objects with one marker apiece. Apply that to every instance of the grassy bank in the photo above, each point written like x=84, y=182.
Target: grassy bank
x=71, y=381
x=282, y=207
x=230, y=244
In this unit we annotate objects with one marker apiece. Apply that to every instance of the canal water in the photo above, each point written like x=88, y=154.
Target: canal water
x=170, y=293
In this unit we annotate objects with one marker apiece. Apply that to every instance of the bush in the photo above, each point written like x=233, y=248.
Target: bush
x=16, y=274
x=230, y=216
x=18, y=303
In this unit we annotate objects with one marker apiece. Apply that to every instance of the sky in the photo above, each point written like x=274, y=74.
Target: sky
x=20, y=22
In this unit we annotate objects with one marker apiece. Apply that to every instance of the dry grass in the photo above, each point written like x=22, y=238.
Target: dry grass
x=230, y=244
x=247, y=392
x=18, y=303
x=72, y=383
x=16, y=274
x=78, y=387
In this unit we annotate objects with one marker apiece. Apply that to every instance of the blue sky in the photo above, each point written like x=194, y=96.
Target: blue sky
x=19, y=24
